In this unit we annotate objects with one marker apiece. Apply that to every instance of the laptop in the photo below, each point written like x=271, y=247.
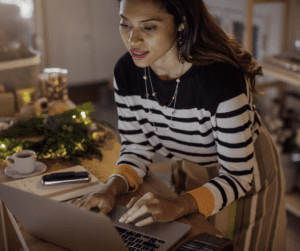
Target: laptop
x=77, y=229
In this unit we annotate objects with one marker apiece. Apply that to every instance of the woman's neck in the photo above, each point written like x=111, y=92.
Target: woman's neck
x=171, y=74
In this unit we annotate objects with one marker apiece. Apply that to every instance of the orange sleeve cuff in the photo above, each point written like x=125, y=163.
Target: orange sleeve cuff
x=205, y=200
x=130, y=175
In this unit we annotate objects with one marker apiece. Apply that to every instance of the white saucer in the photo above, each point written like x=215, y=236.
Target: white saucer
x=39, y=168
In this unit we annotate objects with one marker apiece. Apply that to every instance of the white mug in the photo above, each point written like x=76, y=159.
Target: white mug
x=24, y=161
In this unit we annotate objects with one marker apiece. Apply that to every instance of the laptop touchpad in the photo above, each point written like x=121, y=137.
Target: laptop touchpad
x=116, y=212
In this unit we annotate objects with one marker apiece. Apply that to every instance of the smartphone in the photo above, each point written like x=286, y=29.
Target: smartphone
x=65, y=177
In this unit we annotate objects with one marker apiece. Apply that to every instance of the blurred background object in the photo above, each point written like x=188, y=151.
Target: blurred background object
x=83, y=37
x=17, y=23
x=19, y=61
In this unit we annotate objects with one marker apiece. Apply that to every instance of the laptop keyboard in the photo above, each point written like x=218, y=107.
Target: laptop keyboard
x=139, y=242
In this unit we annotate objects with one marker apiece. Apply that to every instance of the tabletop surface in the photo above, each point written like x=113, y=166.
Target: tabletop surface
x=102, y=169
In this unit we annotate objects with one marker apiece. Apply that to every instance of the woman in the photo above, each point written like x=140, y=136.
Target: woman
x=184, y=89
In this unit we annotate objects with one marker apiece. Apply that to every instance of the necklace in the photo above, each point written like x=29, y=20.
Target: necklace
x=174, y=98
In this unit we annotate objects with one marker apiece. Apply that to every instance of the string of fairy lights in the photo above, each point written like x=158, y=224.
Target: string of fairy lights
x=65, y=136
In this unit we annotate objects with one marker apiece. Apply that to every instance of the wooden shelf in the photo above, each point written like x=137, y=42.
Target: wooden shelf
x=293, y=203
x=282, y=73
x=18, y=63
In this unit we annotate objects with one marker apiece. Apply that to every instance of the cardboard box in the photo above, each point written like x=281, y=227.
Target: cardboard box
x=7, y=104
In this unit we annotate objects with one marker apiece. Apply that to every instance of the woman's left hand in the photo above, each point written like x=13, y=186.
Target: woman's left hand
x=162, y=210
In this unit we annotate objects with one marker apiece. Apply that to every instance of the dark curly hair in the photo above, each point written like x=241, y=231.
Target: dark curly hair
x=205, y=42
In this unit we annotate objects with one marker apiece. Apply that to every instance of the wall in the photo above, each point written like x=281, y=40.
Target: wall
x=83, y=36
x=294, y=25
x=105, y=16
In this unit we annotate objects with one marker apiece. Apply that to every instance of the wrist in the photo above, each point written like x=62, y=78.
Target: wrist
x=187, y=204
x=193, y=203
x=182, y=206
x=116, y=186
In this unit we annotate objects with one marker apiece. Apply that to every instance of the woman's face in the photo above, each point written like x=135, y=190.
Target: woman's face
x=157, y=38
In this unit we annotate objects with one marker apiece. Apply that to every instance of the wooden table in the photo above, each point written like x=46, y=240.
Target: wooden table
x=102, y=170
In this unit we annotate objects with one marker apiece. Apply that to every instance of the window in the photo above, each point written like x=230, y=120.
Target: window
x=238, y=31
x=26, y=7
x=17, y=21
x=218, y=20
x=232, y=22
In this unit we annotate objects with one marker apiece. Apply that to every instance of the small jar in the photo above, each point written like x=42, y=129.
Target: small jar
x=57, y=83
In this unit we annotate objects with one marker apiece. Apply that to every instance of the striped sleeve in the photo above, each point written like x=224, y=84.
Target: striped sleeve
x=235, y=148
x=136, y=152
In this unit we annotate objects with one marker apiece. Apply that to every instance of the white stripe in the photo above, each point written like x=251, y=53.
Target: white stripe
x=232, y=104
x=182, y=113
x=235, y=138
x=217, y=197
x=115, y=83
x=239, y=121
x=235, y=152
x=227, y=106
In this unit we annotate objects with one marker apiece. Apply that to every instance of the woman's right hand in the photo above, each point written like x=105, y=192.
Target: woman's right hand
x=104, y=199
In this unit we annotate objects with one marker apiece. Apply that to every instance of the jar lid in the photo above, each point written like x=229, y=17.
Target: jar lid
x=55, y=71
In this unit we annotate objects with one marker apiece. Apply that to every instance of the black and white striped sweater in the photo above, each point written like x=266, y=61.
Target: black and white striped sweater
x=215, y=122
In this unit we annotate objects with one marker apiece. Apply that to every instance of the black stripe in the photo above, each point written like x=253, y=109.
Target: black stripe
x=238, y=173
x=127, y=119
x=130, y=132
x=119, y=105
x=128, y=143
x=165, y=126
x=190, y=133
x=151, y=150
x=136, y=108
x=138, y=155
x=233, y=113
x=191, y=154
x=244, y=190
x=161, y=137
x=124, y=162
x=170, y=156
x=158, y=147
x=207, y=163
x=249, y=94
x=204, y=164
x=232, y=184
x=233, y=130
x=202, y=134
x=235, y=160
x=256, y=119
x=221, y=191
x=118, y=92
x=235, y=146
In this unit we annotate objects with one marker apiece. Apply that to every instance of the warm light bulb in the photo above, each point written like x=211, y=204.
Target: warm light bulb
x=74, y=116
x=3, y=146
x=83, y=115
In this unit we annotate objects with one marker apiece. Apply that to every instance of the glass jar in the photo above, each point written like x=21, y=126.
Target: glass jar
x=55, y=84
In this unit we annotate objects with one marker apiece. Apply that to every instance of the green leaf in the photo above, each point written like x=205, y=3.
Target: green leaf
x=53, y=128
